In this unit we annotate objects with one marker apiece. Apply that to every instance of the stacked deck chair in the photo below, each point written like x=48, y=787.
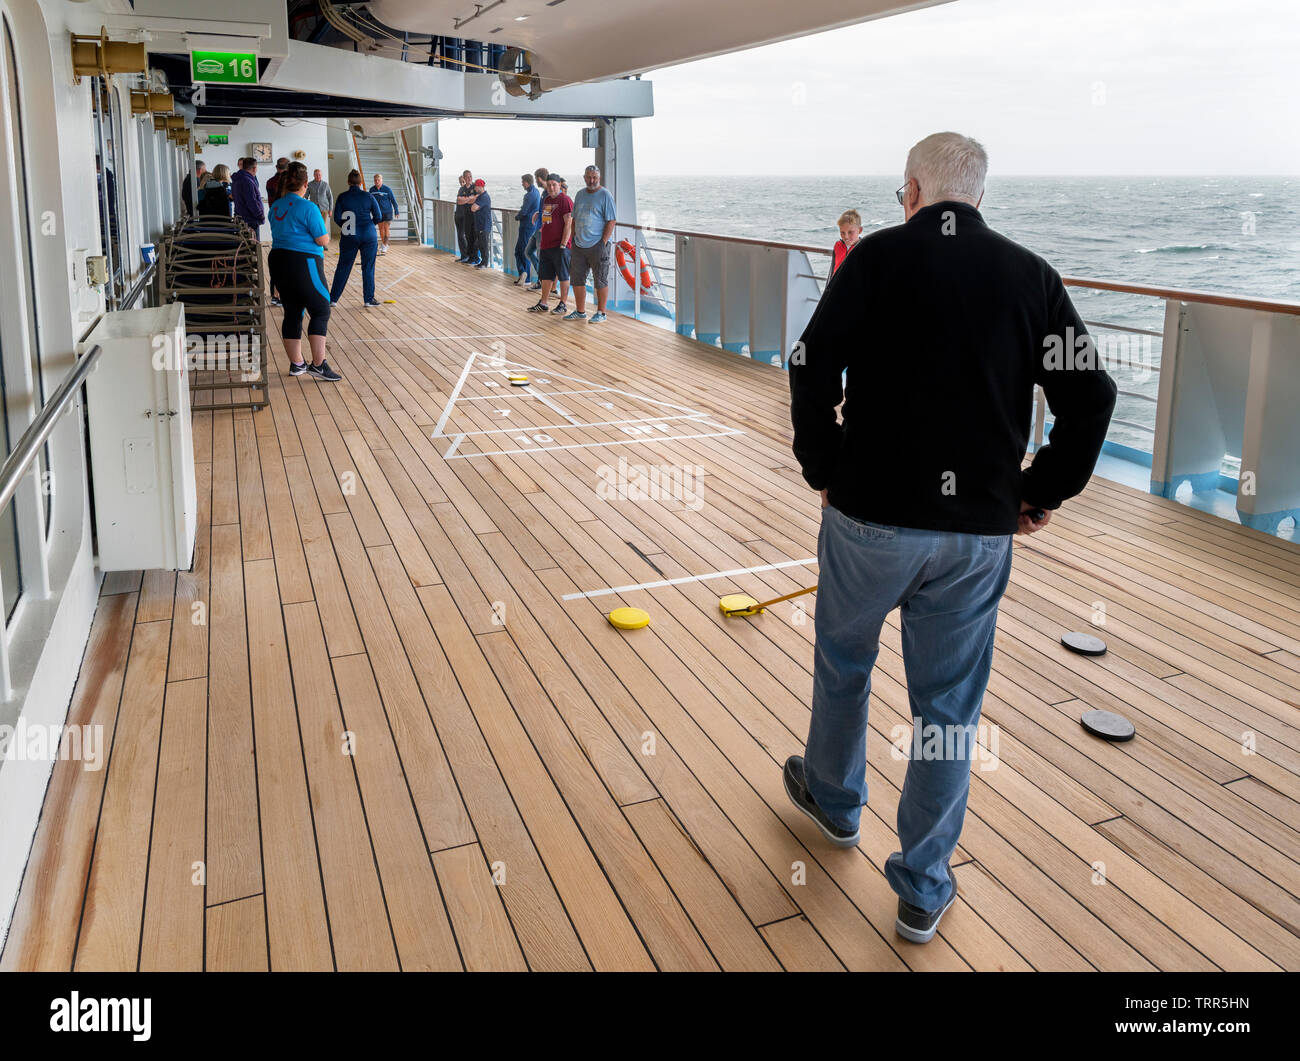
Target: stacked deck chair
x=214, y=265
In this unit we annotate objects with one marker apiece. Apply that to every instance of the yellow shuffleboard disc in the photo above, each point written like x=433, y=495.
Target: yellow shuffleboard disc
x=517, y=380
x=629, y=618
x=737, y=604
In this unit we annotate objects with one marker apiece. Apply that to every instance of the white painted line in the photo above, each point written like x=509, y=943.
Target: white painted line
x=541, y=397
x=698, y=418
x=690, y=578
x=432, y=338
x=600, y=386
x=394, y=283
x=452, y=400
x=520, y=392
x=590, y=445
x=456, y=442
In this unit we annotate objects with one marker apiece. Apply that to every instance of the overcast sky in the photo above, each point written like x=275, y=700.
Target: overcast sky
x=1049, y=87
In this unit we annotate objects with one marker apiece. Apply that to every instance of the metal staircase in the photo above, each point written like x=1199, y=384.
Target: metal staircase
x=383, y=155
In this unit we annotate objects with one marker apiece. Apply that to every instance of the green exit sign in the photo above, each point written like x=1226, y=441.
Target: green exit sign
x=214, y=138
x=230, y=68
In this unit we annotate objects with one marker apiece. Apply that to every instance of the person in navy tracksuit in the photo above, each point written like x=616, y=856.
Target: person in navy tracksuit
x=357, y=214
x=481, y=214
x=387, y=203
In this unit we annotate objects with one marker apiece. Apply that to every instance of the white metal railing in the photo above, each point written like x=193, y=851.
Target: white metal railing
x=414, y=197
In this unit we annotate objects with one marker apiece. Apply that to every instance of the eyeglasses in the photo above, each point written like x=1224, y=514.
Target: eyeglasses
x=902, y=192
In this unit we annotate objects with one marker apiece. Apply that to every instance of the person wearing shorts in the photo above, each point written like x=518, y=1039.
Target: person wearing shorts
x=553, y=246
x=299, y=237
x=593, y=245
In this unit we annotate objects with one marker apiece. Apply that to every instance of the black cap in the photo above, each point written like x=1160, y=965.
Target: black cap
x=555, y=177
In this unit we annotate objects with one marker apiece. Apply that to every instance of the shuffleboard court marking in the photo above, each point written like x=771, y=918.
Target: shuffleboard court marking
x=695, y=418
x=689, y=578
x=435, y=338
x=592, y=445
x=497, y=366
x=394, y=283
x=524, y=394
x=452, y=400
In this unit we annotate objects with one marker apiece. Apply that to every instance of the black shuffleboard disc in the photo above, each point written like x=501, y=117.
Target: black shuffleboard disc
x=1084, y=644
x=1107, y=725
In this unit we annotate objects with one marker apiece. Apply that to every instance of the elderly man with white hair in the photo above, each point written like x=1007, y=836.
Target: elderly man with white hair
x=932, y=334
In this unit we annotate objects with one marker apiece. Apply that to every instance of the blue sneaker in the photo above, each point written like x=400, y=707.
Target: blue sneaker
x=576, y=315
x=597, y=318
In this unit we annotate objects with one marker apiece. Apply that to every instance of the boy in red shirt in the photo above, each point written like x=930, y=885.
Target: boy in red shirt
x=850, y=226
x=553, y=245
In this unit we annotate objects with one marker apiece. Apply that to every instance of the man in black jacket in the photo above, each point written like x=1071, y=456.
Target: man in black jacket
x=932, y=334
x=187, y=189
x=465, y=226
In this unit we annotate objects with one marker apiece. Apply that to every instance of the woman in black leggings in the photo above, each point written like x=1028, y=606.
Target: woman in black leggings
x=298, y=239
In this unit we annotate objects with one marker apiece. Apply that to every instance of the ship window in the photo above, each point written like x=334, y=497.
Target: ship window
x=10, y=155
x=26, y=245
x=110, y=151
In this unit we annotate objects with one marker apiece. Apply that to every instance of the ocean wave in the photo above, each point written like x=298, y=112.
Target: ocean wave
x=1185, y=248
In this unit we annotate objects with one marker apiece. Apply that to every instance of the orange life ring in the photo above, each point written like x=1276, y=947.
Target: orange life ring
x=622, y=253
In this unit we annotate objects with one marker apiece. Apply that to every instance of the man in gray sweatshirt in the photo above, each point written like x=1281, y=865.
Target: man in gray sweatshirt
x=318, y=192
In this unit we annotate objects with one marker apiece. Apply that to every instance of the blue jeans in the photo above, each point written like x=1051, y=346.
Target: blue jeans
x=349, y=246
x=525, y=253
x=531, y=251
x=948, y=586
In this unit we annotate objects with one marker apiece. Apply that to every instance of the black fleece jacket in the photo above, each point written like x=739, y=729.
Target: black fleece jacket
x=933, y=334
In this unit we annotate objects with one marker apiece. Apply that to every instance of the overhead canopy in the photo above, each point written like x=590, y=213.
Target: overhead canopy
x=588, y=40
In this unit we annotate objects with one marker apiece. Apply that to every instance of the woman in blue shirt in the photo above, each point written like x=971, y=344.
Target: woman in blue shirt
x=387, y=203
x=357, y=215
x=531, y=205
x=298, y=240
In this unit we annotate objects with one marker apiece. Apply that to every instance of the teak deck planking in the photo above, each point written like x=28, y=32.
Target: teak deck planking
x=366, y=731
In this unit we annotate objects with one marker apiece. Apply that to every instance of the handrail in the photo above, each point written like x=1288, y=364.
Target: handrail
x=414, y=211
x=1270, y=305
x=29, y=445
x=1210, y=298
x=137, y=288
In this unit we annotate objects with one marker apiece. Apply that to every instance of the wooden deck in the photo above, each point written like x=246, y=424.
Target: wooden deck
x=529, y=788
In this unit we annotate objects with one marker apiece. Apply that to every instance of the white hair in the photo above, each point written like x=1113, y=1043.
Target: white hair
x=948, y=166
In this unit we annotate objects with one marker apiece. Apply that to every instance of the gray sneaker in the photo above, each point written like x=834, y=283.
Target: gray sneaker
x=796, y=787
x=576, y=316
x=919, y=926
